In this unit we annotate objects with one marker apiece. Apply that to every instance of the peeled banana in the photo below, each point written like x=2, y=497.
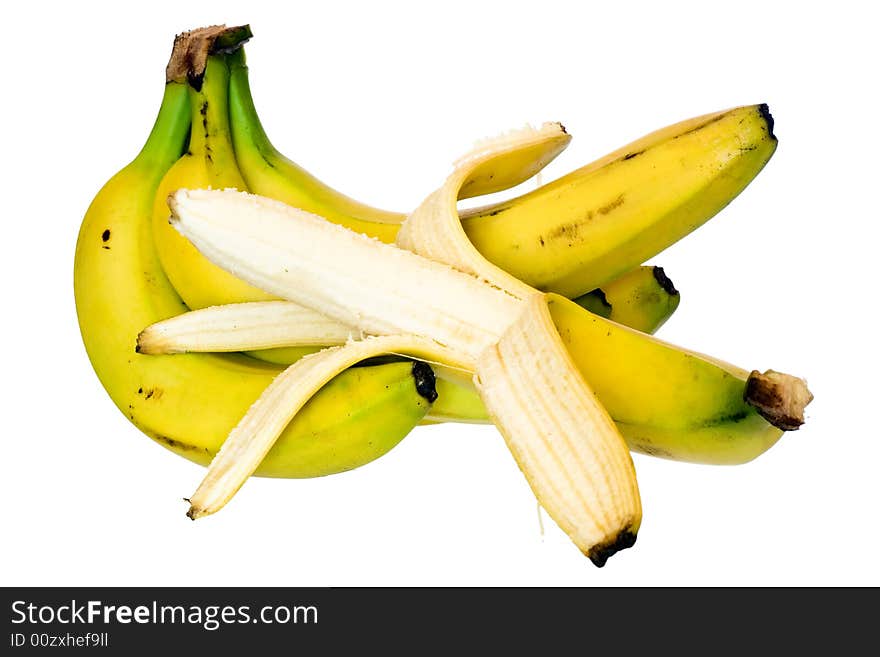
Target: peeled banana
x=472, y=325
x=527, y=378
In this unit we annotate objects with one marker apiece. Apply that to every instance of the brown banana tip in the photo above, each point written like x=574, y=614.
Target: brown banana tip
x=425, y=380
x=141, y=346
x=191, y=50
x=764, y=111
x=150, y=344
x=665, y=282
x=600, y=554
x=779, y=398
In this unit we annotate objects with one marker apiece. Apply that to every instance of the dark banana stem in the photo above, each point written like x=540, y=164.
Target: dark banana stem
x=191, y=50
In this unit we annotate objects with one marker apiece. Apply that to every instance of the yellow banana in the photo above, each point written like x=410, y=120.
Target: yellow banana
x=594, y=224
x=642, y=299
x=189, y=403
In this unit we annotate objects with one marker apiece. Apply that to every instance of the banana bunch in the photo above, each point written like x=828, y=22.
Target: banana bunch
x=250, y=318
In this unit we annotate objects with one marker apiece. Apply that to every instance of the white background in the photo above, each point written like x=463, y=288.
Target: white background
x=378, y=100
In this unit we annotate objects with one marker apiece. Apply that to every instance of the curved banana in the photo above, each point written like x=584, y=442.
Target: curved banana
x=190, y=403
x=642, y=299
x=594, y=224
x=674, y=403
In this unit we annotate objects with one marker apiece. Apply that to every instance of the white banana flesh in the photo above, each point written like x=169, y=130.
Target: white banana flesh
x=244, y=327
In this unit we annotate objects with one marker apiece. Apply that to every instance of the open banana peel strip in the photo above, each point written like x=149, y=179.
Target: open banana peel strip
x=434, y=230
x=254, y=435
x=563, y=440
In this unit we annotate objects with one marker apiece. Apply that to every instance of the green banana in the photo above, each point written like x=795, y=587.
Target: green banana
x=189, y=403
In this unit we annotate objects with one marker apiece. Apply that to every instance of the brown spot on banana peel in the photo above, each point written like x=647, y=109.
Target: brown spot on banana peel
x=702, y=125
x=178, y=445
x=616, y=203
x=779, y=398
x=203, y=111
x=570, y=231
x=154, y=393
x=599, y=554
